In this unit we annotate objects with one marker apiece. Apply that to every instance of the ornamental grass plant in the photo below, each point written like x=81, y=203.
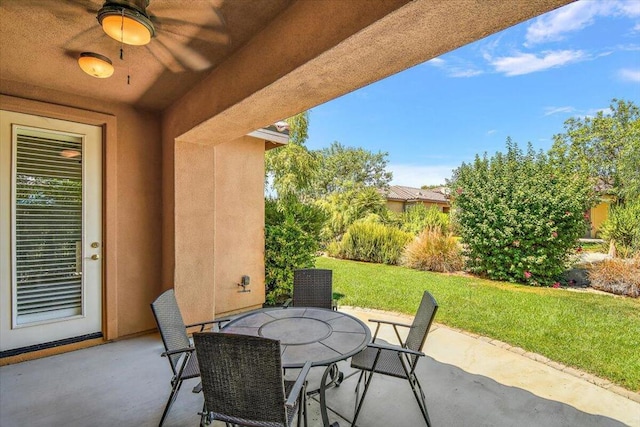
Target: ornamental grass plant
x=617, y=276
x=433, y=250
x=373, y=242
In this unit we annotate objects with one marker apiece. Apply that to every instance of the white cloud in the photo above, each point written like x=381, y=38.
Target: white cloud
x=553, y=26
x=492, y=131
x=630, y=8
x=417, y=176
x=630, y=75
x=457, y=72
x=463, y=70
x=548, y=111
x=637, y=27
x=576, y=16
x=525, y=63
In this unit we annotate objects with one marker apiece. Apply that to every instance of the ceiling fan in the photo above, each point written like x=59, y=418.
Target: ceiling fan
x=163, y=33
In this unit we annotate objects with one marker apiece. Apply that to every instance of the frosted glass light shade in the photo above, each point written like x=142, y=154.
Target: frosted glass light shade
x=127, y=30
x=95, y=65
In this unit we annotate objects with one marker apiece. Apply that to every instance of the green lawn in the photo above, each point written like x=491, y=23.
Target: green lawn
x=595, y=333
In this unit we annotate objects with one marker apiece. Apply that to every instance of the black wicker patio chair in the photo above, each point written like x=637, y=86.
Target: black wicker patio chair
x=313, y=287
x=243, y=384
x=178, y=348
x=397, y=361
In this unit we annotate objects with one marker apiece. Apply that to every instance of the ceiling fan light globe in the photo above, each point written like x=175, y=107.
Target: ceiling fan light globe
x=127, y=30
x=95, y=65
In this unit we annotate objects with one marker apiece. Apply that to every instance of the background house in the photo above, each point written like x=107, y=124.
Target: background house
x=400, y=198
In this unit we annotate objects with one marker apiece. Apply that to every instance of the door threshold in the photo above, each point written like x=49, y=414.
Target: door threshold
x=37, y=351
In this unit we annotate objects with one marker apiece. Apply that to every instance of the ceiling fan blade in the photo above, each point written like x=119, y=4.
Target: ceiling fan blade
x=204, y=34
x=90, y=39
x=205, y=23
x=185, y=55
x=165, y=57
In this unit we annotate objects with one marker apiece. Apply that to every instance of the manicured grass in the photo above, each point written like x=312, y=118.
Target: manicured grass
x=599, y=334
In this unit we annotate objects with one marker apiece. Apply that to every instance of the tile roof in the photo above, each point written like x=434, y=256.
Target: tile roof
x=399, y=192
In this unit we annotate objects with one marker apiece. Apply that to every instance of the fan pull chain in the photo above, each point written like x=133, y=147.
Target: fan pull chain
x=122, y=47
x=122, y=35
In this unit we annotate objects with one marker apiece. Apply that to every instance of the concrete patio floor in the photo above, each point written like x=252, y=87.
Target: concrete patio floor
x=468, y=381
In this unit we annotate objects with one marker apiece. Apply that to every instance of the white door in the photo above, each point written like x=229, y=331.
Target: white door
x=50, y=232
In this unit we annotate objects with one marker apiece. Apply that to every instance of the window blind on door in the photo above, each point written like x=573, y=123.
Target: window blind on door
x=48, y=226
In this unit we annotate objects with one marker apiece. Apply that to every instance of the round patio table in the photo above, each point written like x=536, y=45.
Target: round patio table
x=319, y=335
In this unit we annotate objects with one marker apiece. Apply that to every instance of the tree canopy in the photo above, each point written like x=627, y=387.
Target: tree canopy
x=606, y=146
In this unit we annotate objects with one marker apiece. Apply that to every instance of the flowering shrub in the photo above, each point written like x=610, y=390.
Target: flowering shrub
x=433, y=250
x=519, y=214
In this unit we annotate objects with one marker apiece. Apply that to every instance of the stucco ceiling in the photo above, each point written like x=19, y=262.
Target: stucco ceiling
x=40, y=41
x=264, y=59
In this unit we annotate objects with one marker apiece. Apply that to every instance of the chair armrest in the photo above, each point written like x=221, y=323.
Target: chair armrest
x=178, y=351
x=386, y=322
x=395, y=348
x=298, y=385
x=395, y=328
x=210, y=322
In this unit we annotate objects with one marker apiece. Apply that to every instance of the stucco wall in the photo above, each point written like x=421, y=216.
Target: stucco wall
x=395, y=206
x=133, y=237
x=398, y=206
x=598, y=215
x=219, y=227
x=193, y=256
x=239, y=224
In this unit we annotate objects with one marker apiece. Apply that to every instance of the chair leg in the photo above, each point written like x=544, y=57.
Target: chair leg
x=175, y=388
x=364, y=393
x=420, y=398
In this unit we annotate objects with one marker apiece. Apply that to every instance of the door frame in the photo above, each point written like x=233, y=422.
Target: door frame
x=108, y=123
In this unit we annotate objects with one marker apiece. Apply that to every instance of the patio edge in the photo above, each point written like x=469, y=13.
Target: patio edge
x=600, y=382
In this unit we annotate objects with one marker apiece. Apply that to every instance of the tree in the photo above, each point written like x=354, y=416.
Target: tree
x=344, y=208
x=347, y=168
x=606, y=146
x=292, y=228
x=519, y=214
x=292, y=168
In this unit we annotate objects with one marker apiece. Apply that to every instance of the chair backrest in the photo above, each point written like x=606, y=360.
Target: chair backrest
x=241, y=376
x=421, y=323
x=313, y=287
x=171, y=325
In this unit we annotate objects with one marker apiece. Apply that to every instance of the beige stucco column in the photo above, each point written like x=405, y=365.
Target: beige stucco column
x=219, y=227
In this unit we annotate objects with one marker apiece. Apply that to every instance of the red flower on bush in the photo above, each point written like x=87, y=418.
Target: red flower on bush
x=527, y=274
x=579, y=249
x=554, y=234
x=556, y=285
x=459, y=190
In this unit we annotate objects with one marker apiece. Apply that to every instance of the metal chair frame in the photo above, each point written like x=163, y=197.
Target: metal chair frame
x=178, y=348
x=312, y=287
x=408, y=353
x=243, y=382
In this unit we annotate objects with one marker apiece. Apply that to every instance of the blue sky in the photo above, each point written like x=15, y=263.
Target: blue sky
x=523, y=82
